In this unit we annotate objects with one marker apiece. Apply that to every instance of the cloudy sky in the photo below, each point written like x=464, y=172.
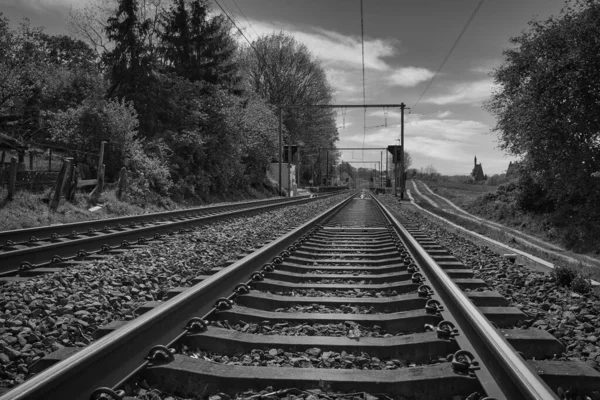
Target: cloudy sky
x=405, y=42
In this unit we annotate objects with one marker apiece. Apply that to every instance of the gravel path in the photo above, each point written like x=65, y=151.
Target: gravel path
x=571, y=317
x=47, y=312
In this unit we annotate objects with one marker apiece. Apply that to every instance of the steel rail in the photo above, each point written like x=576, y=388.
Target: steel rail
x=64, y=230
x=10, y=260
x=510, y=377
x=105, y=362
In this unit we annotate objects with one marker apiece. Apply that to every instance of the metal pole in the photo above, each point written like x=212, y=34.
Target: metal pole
x=327, y=169
x=395, y=170
x=386, y=170
x=320, y=169
x=280, y=147
x=380, y=164
x=402, y=105
x=290, y=166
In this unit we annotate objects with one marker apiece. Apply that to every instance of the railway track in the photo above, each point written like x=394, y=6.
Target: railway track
x=352, y=301
x=34, y=251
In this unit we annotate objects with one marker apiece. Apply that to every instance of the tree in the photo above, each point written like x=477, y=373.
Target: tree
x=547, y=107
x=129, y=62
x=198, y=46
x=407, y=160
x=282, y=71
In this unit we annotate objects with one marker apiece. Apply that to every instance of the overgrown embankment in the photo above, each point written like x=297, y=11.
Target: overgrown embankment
x=29, y=209
x=568, y=225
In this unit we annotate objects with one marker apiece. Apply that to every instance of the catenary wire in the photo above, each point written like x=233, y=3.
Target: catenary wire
x=462, y=32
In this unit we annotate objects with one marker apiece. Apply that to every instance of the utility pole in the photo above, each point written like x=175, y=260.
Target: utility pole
x=280, y=146
x=327, y=169
x=290, y=166
x=402, y=106
x=380, y=164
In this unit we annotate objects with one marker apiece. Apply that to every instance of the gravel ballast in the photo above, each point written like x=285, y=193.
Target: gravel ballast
x=47, y=312
x=571, y=317
x=311, y=358
x=348, y=329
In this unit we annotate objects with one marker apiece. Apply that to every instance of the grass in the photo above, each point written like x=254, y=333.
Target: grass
x=536, y=227
x=29, y=209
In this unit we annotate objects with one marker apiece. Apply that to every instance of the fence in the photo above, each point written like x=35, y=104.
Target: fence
x=38, y=169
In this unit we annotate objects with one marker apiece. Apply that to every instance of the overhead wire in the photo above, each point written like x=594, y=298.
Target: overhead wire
x=260, y=57
x=462, y=32
x=246, y=18
x=362, y=41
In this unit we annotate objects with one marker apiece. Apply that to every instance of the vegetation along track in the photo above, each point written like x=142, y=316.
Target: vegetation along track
x=352, y=301
x=34, y=251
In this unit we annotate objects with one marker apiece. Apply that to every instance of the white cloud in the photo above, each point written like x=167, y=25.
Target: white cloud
x=343, y=53
x=465, y=93
x=443, y=114
x=410, y=76
x=342, y=82
x=333, y=47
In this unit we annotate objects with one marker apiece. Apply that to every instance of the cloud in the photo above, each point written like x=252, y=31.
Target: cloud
x=410, y=76
x=473, y=93
x=342, y=82
x=343, y=53
x=46, y=5
x=443, y=114
x=333, y=47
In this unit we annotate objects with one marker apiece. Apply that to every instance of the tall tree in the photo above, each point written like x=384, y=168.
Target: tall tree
x=129, y=61
x=283, y=71
x=547, y=105
x=198, y=46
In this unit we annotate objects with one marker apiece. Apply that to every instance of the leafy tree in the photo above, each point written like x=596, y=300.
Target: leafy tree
x=84, y=127
x=284, y=72
x=547, y=108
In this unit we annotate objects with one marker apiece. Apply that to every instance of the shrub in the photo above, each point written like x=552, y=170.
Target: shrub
x=564, y=275
x=93, y=121
x=581, y=284
x=567, y=276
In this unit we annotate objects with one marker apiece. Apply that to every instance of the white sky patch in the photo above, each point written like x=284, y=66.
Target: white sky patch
x=473, y=93
x=342, y=82
x=443, y=114
x=334, y=47
x=448, y=129
x=410, y=76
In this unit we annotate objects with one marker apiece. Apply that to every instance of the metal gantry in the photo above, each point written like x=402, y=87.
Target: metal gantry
x=401, y=106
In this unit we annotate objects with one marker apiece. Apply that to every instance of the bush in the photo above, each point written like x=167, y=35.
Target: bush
x=567, y=276
x=93, y=121
x=581, y=284
x=564, y=275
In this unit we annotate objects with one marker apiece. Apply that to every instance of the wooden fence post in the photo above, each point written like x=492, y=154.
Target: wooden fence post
x=49, y=160
x=122, y=183
x=60, y=184
x=12, y=178
x=2, y=168
x=31, y=160
x=101, y=160
x=68, y=177
x=95, y=195
x=72, y=185
x=101, y=179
